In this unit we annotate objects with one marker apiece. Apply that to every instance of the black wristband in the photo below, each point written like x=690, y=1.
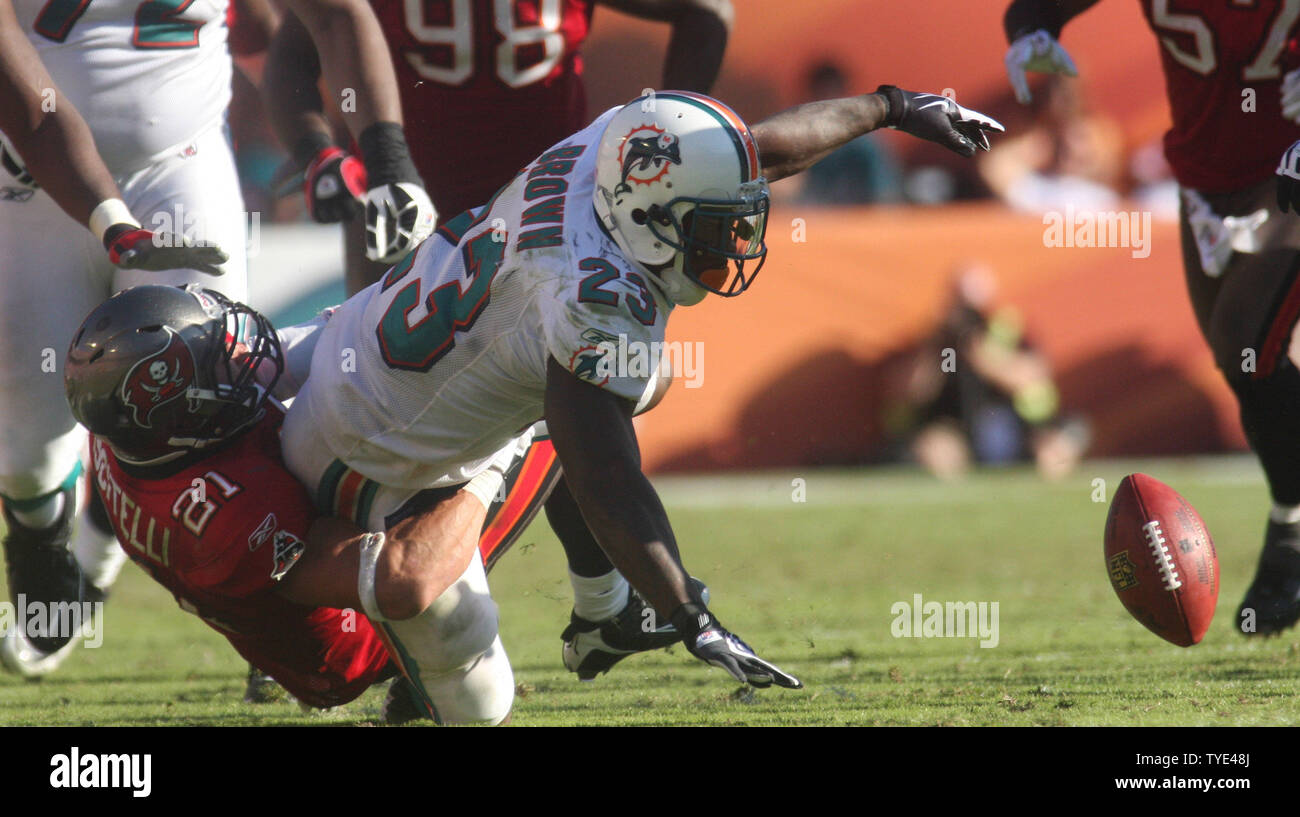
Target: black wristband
x=386, y=155
x=1027, y=16
x=895, y=105
x=690, y=619
x=306, y=148
x=116, y=231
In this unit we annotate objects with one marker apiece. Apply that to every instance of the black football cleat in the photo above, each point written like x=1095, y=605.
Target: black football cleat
x=402, y=704
x=1272, y=603
x=41, y=569
x=591, y=648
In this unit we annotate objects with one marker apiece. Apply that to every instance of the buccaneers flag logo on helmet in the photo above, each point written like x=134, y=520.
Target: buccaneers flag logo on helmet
x=157, y=379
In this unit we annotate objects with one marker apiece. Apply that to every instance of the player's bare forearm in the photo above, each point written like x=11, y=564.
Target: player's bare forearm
x=1026, y=16
x=797, y=138
x=593, y=437
x=290, y=85
x=355, y=59
x=326, y=573
x=422, y=556
x=699, y=37
x=52, y=139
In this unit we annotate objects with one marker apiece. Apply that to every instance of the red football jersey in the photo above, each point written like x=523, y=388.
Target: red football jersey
x=1224, y=61
x=217, y=533
x=486, y=85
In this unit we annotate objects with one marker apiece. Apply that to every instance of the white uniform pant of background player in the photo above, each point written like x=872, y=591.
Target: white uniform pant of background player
x=55, y=272
x=452, y=650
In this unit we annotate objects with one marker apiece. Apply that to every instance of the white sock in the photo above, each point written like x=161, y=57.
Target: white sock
x=1285, y=514
x=43, y=515
x=600, y=597
x=101, y=557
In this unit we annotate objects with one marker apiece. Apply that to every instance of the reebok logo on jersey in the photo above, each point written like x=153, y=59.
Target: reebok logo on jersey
x=259, y=537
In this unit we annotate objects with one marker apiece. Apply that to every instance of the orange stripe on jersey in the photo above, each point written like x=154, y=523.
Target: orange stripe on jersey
x=349, y=488
x=532, y=478
x=1279, y=333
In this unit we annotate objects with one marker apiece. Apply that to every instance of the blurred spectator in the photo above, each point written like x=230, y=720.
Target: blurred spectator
x=978, y=391
x=1070, y=157
x=865, y=170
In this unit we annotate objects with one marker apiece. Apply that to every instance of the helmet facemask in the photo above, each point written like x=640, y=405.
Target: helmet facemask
x=244, y=361
x=715, y=237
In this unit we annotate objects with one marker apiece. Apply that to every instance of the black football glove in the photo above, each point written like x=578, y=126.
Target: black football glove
x=133, y=247
x=398, y=211
x=709, y=641
x=1288, y=180
x=938, y=119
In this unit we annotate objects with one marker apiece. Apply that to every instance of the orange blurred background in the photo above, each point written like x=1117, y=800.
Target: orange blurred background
x=794, y=370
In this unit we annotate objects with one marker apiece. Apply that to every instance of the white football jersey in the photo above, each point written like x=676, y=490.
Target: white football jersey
x=146, y=75
x=416, y=381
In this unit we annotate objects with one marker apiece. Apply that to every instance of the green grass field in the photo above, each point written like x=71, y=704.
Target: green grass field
x=810, y=585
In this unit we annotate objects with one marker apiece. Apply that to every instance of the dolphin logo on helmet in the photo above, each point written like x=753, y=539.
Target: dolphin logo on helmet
x=645, y=158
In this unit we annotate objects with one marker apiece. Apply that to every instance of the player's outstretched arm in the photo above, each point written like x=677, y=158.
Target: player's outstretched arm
x=699, y=37
x=594, y=439
x=797, y=138
x=58, y=151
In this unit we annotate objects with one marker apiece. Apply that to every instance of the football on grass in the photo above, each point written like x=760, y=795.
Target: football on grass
x=1161, y=560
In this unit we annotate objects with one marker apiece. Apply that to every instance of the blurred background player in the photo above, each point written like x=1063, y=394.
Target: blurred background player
x=486, y=86
x=1241, y=253
x=154, y=89
x=979, y=391
x=1069, y=157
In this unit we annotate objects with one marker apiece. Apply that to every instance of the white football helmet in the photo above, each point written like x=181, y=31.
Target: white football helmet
x=678, y=186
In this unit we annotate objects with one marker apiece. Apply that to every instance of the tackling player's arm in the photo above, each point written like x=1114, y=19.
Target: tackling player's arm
x=58, y=149
x=797, y=138
x=422, y=556
x=699, y=37
x=592, y=432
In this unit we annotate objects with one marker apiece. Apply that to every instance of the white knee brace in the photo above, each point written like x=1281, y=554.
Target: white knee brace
x=451, y=652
